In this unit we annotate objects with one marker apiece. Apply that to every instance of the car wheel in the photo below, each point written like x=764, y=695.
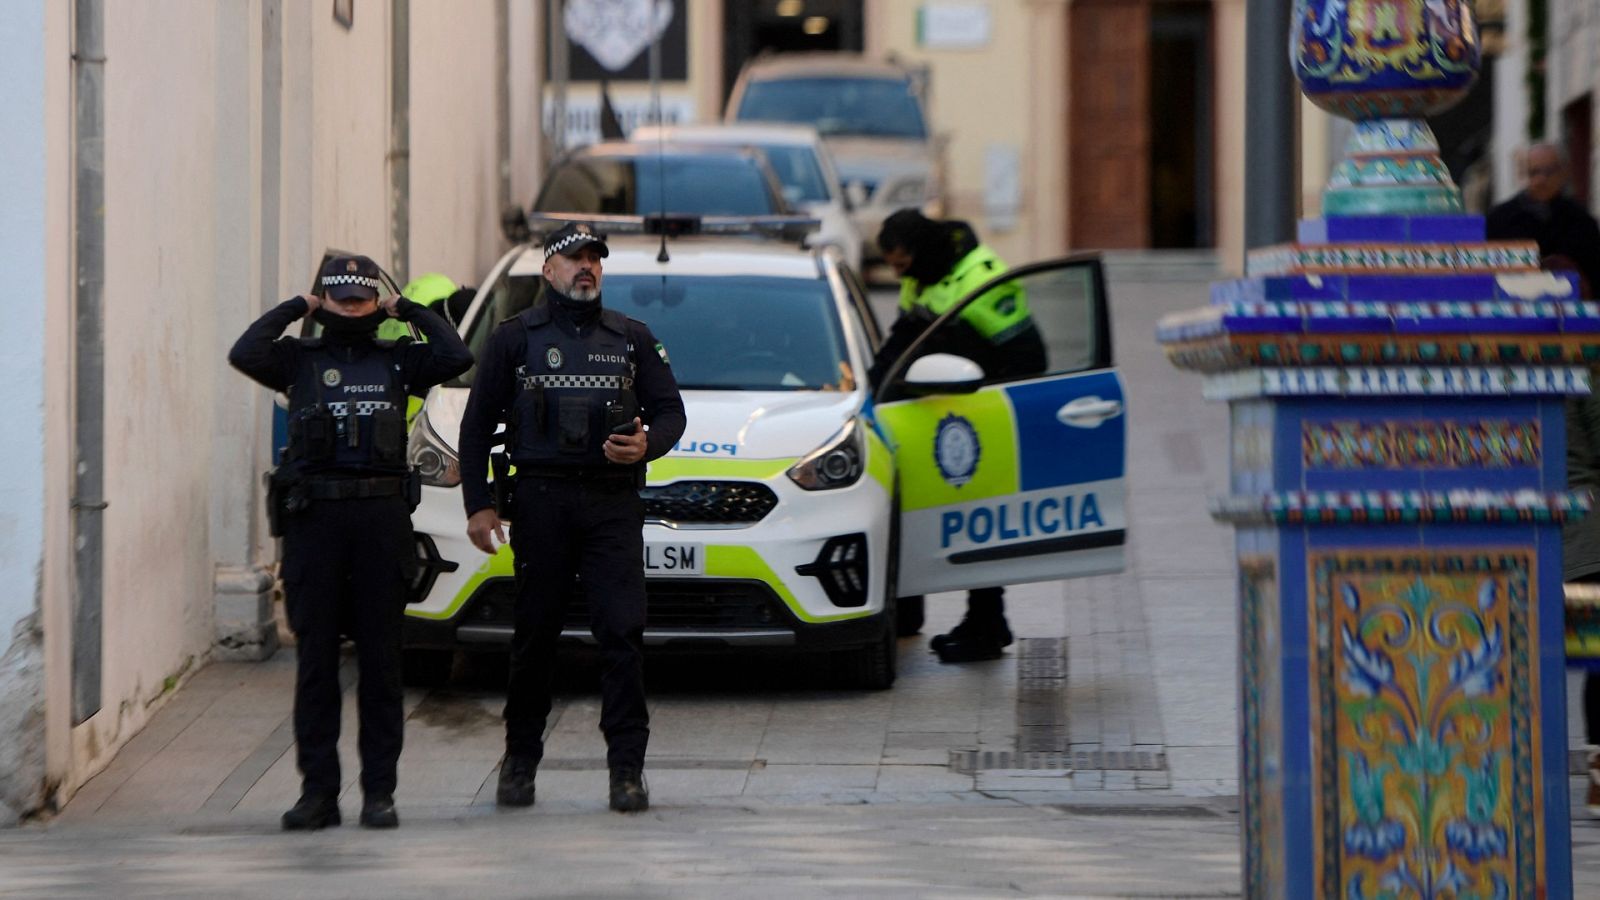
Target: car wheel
x=426, y=667
x=874, y=666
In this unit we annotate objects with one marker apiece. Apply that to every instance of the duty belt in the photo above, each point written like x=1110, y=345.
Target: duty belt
x=578, y=473
x=355, y=488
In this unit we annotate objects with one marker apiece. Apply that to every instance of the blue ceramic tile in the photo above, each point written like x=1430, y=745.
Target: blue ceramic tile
x=1421, y=288
x=1279, y=288
x=1391, y=230
x=1354, y=230
x=1447, y=229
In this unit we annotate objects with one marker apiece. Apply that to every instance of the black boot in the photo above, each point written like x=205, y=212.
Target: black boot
x=516, y=781
x=377, y=811
x=973, y=646
x=311, y=812
x=628, y=791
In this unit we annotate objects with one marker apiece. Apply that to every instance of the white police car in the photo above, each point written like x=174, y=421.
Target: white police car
x=800, y=503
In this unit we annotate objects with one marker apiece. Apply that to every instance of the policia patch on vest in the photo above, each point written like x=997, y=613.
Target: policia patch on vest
x=552, y=357
x=330, y=377
x=662, y=352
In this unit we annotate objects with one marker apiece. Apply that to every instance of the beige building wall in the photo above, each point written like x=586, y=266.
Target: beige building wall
x=1014, y=91
x=222, y=190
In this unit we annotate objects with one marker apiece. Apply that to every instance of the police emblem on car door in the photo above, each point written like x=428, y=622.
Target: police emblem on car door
x=1005, y=481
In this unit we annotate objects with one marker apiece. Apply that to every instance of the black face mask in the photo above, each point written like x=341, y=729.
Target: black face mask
x=340, y=327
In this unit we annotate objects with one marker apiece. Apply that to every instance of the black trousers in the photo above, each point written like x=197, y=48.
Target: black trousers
x=346, y=565
x=594, y=530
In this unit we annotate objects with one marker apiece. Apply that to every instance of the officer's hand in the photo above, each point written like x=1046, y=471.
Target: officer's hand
x=627, y=449
x=482, y=524
x=313, y=303
x=390, y=305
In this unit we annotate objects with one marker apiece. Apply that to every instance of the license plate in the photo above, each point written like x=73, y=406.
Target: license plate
x=674, y=559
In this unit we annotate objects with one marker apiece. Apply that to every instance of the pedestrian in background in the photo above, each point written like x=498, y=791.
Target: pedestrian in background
x=1566, y=233
x=588, y=397
x=939, y=264
x=341, y=499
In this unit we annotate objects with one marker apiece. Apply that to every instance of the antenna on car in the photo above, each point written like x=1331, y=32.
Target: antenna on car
x=655, y=105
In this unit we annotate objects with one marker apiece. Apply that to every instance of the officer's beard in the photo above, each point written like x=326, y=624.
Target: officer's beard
x=349, y=328
x=584, y=291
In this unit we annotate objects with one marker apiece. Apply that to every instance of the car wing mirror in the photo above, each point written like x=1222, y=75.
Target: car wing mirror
x=943, y=373
x=855, y=195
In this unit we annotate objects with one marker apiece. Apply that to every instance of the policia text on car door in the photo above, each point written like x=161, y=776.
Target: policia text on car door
x=341, y=499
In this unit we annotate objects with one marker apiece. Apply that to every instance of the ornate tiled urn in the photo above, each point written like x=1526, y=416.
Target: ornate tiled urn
x=1396, y=387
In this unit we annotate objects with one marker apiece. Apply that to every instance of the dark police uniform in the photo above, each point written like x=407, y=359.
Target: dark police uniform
x=561, y=374
x=343, y=504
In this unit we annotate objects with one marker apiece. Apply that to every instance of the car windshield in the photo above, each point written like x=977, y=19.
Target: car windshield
x=875, y=107
x=799, y=173
x=695, y=185
x=743, y=333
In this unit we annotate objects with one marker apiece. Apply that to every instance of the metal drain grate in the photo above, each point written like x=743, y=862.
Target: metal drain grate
x=1043, y=737
x=1041, y=696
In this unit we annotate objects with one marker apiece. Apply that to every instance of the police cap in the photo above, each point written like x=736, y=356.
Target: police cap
x=573, y=236
x=346, y=277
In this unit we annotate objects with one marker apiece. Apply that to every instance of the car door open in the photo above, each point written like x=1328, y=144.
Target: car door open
x=1005, y=481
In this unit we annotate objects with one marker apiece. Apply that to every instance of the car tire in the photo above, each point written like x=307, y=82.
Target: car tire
x=873, y=667
x=425, y=667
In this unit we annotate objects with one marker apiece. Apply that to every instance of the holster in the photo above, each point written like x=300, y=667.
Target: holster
x=504, y=485
x=286, y=496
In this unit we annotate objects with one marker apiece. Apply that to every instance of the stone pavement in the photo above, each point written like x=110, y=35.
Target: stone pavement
x=762, y=779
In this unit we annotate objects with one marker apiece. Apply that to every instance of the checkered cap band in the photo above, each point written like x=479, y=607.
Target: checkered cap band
x=568, y=241
x=579, y=382
x=329, y=281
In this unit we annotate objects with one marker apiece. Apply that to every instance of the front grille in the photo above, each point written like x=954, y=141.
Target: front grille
x=708, y=502
x=685, y=604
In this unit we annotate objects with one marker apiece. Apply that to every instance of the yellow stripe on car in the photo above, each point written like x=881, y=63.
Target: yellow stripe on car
x=672, y=468
x=732, y=561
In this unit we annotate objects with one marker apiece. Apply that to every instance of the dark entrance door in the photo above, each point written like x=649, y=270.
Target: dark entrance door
x=751, y=27
x=1109, y=131
x=1180, y=125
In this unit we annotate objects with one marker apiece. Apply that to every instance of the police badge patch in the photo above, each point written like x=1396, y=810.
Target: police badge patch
x=552, y=357
x=956, y=449
x=662, y=352
x=330, y=377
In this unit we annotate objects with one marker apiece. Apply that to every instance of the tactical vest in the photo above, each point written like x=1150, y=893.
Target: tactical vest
x=571, y=391
x=348, y=414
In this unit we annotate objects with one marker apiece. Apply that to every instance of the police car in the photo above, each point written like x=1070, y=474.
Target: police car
x=801, y=502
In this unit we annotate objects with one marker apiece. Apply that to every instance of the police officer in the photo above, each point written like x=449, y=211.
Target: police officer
x=343, y=499
x=939, y=263
x=588, y=398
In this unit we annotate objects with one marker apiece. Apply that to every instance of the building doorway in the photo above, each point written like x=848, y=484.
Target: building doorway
x=753, y=27
x=1140, y=124
x=1181, y=163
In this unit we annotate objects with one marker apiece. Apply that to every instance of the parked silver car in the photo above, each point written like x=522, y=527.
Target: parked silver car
x=871, y=115
x=800, y=159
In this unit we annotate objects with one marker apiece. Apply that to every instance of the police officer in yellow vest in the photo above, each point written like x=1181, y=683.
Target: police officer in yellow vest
x=939, y=264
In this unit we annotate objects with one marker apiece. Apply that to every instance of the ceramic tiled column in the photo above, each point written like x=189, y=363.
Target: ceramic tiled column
x=1396, y=387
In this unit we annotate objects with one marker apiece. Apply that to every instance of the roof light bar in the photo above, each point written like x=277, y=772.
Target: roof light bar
x=786, y=228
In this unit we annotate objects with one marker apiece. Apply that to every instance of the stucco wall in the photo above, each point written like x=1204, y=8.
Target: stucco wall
x=214, y=210
x=22, y=527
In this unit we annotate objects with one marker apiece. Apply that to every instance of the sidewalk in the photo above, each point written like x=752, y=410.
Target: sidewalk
x=1001, y=778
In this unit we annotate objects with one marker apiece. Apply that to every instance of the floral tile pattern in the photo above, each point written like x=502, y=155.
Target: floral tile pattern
x=1433, y=444
x=1427, y=784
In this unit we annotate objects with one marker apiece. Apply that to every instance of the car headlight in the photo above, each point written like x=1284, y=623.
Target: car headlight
x=836, y=464
x=907, y=193
x=431, y=456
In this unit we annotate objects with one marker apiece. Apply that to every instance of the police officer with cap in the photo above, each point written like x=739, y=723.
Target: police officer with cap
x=589, y=398
x=341, y=499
